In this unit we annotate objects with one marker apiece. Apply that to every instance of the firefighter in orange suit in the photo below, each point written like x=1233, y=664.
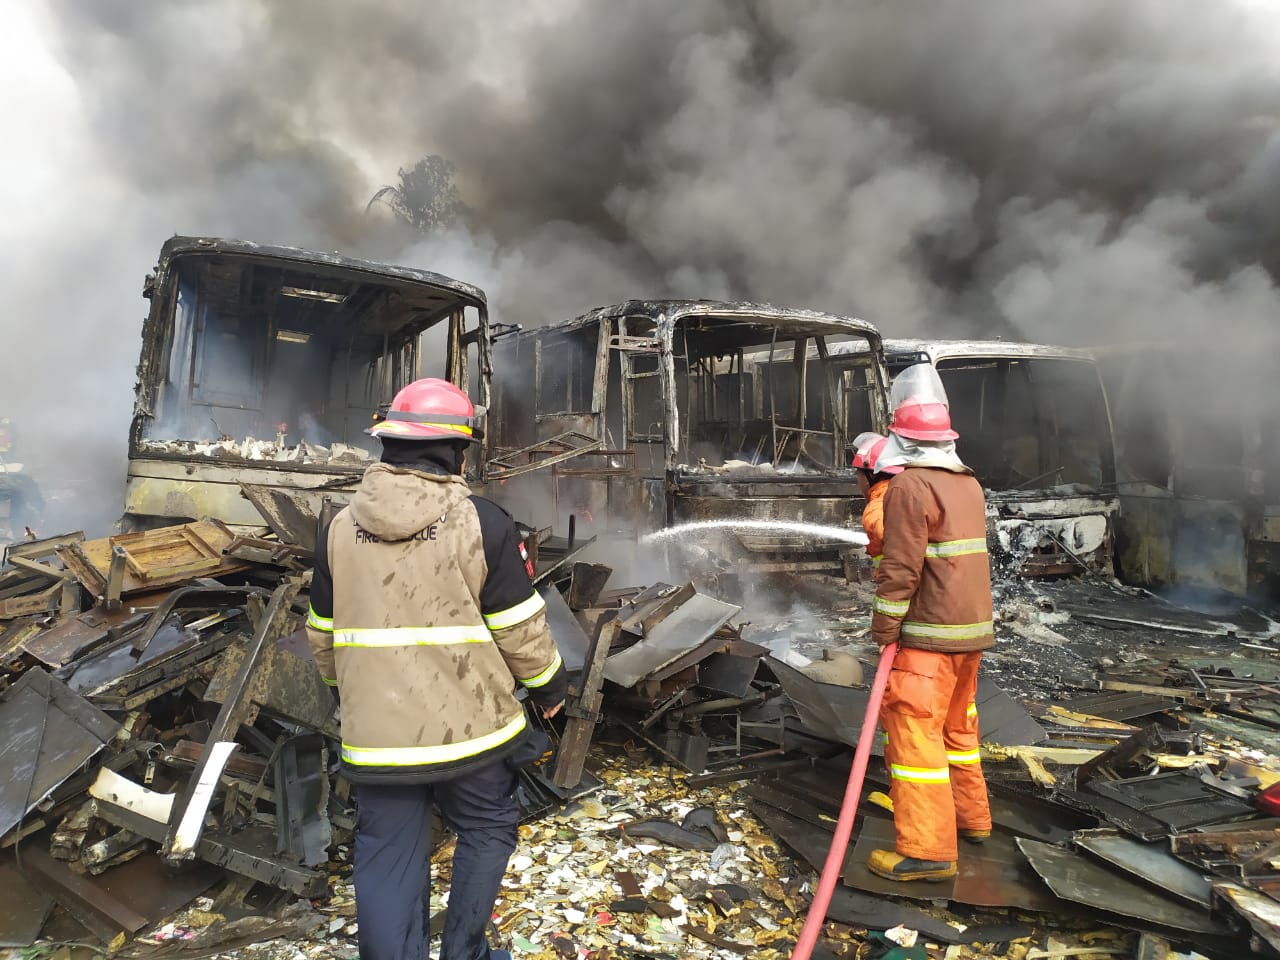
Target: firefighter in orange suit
x=872, y=484
x=933, y=597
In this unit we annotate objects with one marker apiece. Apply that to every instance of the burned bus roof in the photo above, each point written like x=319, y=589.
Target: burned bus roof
x=765, y=313
x=176, y=247
x=946, y=349
x=897, y=350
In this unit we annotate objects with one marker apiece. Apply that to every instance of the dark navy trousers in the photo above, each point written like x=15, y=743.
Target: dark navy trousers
x=393, y=866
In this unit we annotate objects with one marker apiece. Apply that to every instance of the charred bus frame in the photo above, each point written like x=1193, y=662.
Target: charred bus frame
x=647, y=414
x=263, y=365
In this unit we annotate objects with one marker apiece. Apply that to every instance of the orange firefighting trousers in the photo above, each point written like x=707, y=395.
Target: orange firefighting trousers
x=931, y=750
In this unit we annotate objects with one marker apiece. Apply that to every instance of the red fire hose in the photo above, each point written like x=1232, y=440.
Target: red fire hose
x=848, y=810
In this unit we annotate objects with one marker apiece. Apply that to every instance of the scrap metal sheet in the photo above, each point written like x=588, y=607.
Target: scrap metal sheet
x=1003, y=720
x=49, y=734
x=728, y=673
x=683, y=630
x=849, y=906
x=1148, y=863
x=991, y=874
x=1118, y=705
x=836, y=712
x=1259, y=911
x=1177, y=800
x=95, y=672
x=23, y=908
x=1075, y=878
x=827, y=709
x=127, y=897
x=290, y=517
x=570, y=639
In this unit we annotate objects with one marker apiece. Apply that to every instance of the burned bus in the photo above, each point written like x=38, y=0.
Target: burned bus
x=261, y=366
x=1035, y=427
x=650, y=414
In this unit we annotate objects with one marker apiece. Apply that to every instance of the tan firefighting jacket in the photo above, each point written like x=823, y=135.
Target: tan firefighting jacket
x=424, y=617
x=933, y=585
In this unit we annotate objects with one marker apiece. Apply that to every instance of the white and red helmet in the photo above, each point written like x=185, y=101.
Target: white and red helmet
x=919, y=404
x=430, y=409
x=867, y=449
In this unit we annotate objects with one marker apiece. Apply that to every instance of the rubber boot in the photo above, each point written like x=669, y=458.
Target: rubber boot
x=894, y=866
x=973, y=836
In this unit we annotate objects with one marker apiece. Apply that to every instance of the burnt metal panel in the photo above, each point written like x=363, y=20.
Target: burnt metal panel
x=302, y=799
x=1131, y=821
x=191, y=597
x=1117, y=705
x=571, y=640
x=728, y=673
x=1003, y=720
x=71, y=637
x=849, y=906
x=235, y=709
x=49, y=734
x=165, y=673
x=585, y=584
x=23, y=908
x=1259, y=911
x=681, y=631
x=99, y=912
x=110, y=666
x=1075, y=878
x=829, y=710
x=285, y=685
x=1147, y=863
x=249, y=853
x=1179, y=800
x=992, y=874
x=290, y=518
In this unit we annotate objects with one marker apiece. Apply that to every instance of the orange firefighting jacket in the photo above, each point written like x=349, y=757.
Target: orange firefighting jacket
x=933, y=585
x=873, y=520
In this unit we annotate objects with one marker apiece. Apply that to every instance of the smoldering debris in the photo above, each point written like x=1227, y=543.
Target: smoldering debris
x=692, y=758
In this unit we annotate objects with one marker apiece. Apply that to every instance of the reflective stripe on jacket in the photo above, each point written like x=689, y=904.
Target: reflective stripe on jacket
x=933, y=585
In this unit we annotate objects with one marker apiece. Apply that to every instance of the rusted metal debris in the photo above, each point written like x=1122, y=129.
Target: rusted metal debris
x=188, y=726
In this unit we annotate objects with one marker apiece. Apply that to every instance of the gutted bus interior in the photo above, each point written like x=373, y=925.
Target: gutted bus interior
x=273, y=360
x=645, y=414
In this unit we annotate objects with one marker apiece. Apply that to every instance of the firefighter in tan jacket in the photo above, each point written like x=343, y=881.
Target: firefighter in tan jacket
x=424, y=618
x=933, y=597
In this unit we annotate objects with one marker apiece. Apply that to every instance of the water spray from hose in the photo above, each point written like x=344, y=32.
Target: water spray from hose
x=815, y=531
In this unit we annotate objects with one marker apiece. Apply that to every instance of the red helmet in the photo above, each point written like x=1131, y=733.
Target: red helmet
x=868, y=453
x=863, y=444
x=430, y=409
x=919, y=402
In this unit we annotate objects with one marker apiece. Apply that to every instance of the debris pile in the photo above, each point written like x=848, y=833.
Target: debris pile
x=171, y=745
x=1144, y=798
x=173, y=734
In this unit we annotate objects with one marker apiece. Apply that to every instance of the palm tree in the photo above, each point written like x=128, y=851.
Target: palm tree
x=426, y=197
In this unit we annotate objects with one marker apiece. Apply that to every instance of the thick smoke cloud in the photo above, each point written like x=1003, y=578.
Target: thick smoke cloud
x=1078, y=172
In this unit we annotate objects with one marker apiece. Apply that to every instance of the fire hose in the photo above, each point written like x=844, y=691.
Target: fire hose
x=848, y=810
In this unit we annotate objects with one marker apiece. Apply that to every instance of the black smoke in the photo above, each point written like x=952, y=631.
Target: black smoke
x=1079, y=172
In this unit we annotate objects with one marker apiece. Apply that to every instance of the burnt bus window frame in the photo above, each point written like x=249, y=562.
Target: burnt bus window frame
x=175, y=338
x=794, y=405
x=1048, y=414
